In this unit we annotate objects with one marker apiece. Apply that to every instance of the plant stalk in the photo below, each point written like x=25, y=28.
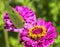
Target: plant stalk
x=6, y=38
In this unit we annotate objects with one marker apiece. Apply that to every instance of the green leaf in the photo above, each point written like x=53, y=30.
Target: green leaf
x=2, y=10
x=13, y=41
x=1, y=7
x=14, y=16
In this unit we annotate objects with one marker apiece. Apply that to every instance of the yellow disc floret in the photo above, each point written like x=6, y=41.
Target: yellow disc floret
x=39, y=35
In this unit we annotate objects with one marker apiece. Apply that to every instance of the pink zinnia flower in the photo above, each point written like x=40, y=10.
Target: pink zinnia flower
x=39, y=34
x=26, y=13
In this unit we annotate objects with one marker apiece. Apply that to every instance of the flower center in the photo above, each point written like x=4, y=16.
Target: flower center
x=37, y=32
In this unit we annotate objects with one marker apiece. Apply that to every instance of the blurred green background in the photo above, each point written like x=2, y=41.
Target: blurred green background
x=47, y=9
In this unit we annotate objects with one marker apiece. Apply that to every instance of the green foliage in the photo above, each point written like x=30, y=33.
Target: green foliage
x=14, y=16
x=47, y=9
x=14, y=43
x=2, y=10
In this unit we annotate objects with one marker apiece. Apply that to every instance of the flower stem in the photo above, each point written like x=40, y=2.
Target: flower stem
x=18, y=38
x=6, y=38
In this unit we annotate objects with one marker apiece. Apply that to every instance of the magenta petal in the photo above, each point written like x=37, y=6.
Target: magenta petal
x=27, y=14
x=27, y=45
x=26, y=39
x=48, y=42
x=39, y=45
x=6, y=16
x=28, y=26
x=42, y=39
x=33, y=44
x=48, y=24
x=9, y=22
x=23, y=32
x=41, y=22
x=9, y=29
x=51, y=32
x=19, y=30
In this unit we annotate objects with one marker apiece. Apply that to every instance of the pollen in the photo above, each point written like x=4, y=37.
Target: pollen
x=37, y=32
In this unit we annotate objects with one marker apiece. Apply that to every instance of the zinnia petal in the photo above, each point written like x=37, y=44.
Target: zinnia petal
x=41, y=22
x=27, y=14
x=51, y=32
x=44, y=41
